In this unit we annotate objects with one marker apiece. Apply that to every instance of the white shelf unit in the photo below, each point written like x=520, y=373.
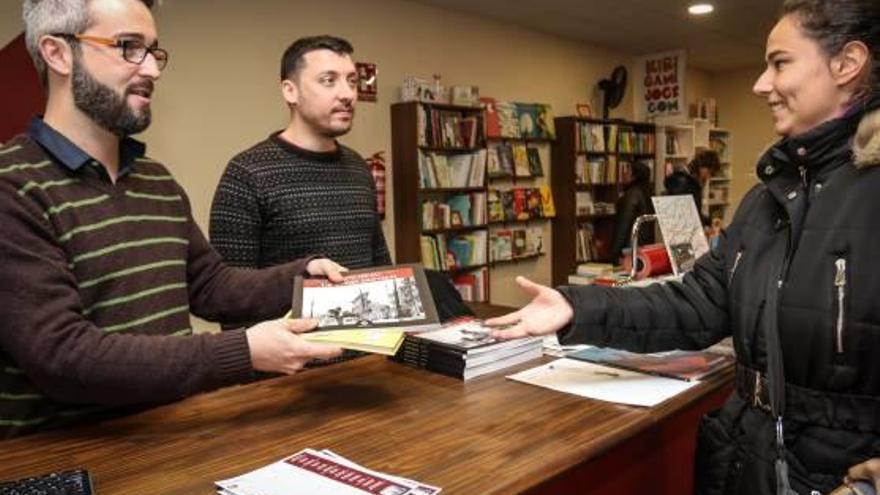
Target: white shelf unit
x=676, y=146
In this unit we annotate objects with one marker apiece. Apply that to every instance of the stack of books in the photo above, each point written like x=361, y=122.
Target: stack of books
x=463, y=349
x=314, y=471
x=588, y=272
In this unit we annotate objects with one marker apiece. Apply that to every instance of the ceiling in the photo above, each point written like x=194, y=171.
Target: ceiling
x=730, y=38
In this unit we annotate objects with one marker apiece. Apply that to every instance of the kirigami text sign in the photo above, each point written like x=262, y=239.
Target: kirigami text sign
x=661, y=83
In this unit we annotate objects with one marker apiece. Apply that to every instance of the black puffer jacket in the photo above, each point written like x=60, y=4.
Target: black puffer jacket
x=803, y=249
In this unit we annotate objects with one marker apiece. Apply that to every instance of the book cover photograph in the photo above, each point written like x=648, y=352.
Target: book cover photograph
x=393, y=297
x=682, y=230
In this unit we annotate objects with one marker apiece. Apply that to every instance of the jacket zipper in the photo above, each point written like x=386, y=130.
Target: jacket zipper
x=739, y=255
x=840, y=283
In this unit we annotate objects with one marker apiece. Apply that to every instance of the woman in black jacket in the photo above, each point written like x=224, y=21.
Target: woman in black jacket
x=795, y=277
x=634, y=202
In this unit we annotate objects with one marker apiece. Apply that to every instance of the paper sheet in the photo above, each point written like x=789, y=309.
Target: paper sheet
x=602, y=382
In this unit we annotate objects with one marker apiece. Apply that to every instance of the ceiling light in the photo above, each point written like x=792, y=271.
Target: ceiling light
x=701, y=9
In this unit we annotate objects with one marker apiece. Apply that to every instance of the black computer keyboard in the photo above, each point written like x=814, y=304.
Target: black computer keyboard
x=76, y=482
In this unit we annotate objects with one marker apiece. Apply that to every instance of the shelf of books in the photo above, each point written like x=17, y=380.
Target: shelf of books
x=589, y=158
x=716, y=194
x=477, y=192
x=519, y=202
x=681, y=142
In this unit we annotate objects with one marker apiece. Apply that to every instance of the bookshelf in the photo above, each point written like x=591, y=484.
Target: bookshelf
x=682, y=141
x=517, y=221
x=439, y=211
x=588, y=157
x=716, y=194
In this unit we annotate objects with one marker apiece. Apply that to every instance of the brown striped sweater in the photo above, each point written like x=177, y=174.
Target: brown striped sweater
x=97, y=283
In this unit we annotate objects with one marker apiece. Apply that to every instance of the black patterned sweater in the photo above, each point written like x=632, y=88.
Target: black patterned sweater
x=277, y=202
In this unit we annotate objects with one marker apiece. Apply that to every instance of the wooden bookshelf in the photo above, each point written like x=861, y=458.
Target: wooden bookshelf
x=410, y=195
x=568, y=151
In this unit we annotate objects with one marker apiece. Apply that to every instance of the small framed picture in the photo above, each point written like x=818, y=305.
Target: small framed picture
x=584, y=110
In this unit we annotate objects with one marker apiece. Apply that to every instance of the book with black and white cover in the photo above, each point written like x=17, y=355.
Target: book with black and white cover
x=395, y=298
x=469, y=336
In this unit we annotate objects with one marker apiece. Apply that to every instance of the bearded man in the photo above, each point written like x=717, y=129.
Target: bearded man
x=101, y=262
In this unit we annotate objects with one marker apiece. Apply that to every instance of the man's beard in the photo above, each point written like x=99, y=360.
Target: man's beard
x=105, y=107
x=326, y=130
x=334, y=132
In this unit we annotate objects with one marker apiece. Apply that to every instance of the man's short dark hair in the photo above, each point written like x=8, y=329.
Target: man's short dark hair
x=292, y=60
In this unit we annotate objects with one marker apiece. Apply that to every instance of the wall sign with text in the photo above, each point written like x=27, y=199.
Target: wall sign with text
x=368, y=84
x=660, y=84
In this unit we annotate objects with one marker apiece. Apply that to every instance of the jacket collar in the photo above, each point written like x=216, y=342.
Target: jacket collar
x=854, y=137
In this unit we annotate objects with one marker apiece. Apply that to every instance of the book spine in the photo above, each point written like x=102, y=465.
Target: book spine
x=419, y=353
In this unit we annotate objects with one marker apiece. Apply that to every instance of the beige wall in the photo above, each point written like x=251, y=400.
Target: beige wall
x=10, y=21
x=748, y=119
x=219, y=94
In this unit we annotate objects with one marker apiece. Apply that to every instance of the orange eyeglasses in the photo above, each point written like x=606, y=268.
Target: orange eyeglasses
x=133, y=50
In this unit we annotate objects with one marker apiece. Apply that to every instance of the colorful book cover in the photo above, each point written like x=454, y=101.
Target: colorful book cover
x=520, y=204
x=461, y=205
x=493, y=122
x=533, y=203
x=507, y=202
x=505, y=158
x=536, y=169
x=507, y=118
x=521, y=160
x=494, y=205
x=547, y=205
x=493, y=163
x=535, y=120
x=683, y=365
x=462, y=248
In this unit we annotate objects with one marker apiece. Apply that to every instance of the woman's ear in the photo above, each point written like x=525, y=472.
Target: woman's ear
x=851, y=64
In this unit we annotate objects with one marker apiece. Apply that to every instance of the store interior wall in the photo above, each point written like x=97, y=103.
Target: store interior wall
x=220, y=92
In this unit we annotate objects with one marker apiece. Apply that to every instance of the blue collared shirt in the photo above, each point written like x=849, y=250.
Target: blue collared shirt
x=73, y=157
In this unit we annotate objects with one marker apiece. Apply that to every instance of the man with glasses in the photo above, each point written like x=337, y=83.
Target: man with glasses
x=101, y=262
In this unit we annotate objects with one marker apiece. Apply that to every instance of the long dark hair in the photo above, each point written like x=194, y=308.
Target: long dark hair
x=834, y=23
